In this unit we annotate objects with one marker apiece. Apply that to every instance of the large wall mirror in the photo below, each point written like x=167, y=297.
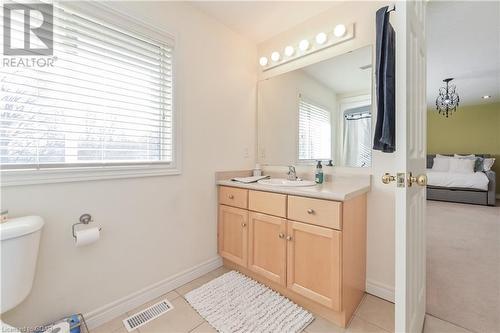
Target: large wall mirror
x=319, y=112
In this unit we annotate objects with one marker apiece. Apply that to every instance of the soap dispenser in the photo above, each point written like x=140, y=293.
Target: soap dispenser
x=319, y=173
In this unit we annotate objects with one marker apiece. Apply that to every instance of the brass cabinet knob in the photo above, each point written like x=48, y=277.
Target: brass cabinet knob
x=281, y=235
x=243, y=225
x=231, y=196
x=310, y=211
x=387, y=178
x=288, y=238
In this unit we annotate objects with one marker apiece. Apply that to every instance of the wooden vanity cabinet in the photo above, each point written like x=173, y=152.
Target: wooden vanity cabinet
x=313, y=263
x=233, y=234
x=312, y=251
x=267, y=246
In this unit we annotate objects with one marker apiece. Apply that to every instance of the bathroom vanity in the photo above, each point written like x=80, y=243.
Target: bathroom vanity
x=307, y=243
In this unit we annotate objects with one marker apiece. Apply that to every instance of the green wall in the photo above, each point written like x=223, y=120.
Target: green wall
x=471, y=129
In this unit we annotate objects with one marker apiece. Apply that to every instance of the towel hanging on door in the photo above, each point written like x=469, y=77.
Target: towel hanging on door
x=385, y=74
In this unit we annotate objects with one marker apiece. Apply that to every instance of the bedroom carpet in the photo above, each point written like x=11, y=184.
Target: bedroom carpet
x=463, y=265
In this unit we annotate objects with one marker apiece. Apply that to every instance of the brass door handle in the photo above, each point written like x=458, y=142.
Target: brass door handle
x=421, y=180
x=281, y=235
x=387, y=178
x=288, y=238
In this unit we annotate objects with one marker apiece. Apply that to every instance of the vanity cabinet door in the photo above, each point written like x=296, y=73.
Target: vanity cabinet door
x=267, y=246
x=313, y=263
x=233, y=234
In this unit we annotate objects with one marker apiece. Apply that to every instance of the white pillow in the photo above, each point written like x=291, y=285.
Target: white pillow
x=443, y=156
x=462, y=165
x=441, y=163
x=488, y=163
x=465, y=156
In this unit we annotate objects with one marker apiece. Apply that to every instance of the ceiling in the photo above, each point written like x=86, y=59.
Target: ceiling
x=343, y=74
x=261, y=20
x=463, y=42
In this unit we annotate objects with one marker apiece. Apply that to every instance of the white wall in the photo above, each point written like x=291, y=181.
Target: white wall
x=153, y=227
x=380, y=265
x=278, y=114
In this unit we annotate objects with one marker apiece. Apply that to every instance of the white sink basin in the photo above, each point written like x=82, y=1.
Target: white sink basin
x=286, y=183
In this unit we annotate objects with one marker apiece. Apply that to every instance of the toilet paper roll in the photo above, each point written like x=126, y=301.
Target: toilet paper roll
x=87, y=236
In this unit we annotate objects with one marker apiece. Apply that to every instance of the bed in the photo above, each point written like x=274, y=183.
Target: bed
x=476, y=188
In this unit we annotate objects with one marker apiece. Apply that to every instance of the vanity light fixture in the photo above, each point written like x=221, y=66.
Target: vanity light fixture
x=304, y=45
x=486, y=97
x=339, y=30
x=275, y=56
x=321, y=38
x=289, y=51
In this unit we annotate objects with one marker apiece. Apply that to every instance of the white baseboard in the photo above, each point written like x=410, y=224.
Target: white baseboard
x=380, y=290
x=114, y=309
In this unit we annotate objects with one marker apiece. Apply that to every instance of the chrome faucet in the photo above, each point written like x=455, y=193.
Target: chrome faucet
x=291, y=174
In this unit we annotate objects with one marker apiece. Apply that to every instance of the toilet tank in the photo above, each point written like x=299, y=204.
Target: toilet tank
x=20, y=239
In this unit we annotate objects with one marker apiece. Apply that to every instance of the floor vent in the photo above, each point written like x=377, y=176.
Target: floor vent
x=147, y=315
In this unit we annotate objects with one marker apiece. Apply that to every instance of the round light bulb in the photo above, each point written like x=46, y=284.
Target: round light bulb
x=321, y=38
x=339, y=30
x=304, y=45
x=263, y=61
x=275, y=56
x=289, y=51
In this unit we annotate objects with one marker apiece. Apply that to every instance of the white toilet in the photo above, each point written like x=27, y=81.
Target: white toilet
x=20, y=238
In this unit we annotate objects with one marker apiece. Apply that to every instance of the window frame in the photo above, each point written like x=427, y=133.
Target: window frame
x=104, y=13
x=319, y=105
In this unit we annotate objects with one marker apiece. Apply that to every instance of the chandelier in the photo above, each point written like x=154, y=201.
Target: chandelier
x=447, y=100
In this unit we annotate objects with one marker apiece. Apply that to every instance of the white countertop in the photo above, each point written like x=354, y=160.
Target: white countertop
x=340, y=189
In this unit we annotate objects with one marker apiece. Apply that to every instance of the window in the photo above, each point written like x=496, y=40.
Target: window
x=106, y=102
x=315, y=132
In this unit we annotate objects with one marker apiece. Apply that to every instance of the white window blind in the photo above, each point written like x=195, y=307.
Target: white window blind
x=106, y=101
x=315, y=136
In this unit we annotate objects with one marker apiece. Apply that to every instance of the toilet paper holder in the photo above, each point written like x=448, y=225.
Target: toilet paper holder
x=84, y=219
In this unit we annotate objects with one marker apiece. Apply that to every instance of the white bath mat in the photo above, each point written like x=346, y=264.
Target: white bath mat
x=234, y=303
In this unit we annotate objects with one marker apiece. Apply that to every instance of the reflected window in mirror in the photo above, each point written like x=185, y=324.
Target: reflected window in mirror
x=357, y=133
x=315, y=131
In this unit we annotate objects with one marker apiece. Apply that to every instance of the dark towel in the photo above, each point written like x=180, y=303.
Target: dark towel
x=385, y=73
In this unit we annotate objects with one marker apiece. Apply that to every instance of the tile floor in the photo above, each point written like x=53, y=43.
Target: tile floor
x=373, y=315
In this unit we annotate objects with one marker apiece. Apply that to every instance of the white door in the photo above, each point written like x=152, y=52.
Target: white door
x=411, y=126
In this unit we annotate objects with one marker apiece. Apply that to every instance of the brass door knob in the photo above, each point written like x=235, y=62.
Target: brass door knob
x=310, y=211
x=387, y=178
x=421, y=180
x=288, y=238
x=243, y=225
x=281, y=235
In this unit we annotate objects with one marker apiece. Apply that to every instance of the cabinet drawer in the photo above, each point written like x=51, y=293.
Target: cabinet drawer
x=232, y=196
x=315, y=211
x=268, y=203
